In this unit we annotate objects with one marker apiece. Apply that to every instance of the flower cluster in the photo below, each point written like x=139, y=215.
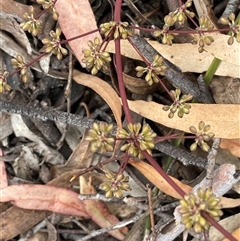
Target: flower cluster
x=180, y=16
x=49, y=5
x=31, y=25
x=54, y=45
x=235, y=27
x=19, y=64
x=119, y=28
x=192, y=206
x=179, y=104
x=182, y=13
x=155, y=68
x=100, y=137
x=136, y=139
x=204, y=25
x=116, y=184
x=4, y=86
x=202, y=135
x=94, y=58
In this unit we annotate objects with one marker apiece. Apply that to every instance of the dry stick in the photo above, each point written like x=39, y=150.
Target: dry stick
x=212, y=160
x=149, y=191
x=46, y=114
x=50, y=114
x=181, y=155
x=231, y=7
x=174, y=74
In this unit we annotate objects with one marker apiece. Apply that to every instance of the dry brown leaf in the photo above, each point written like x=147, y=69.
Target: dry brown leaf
x=17, y=8
x=104, y=90
x=221, y=50
x=98, y=211
x=223, y=119
x=152, y=175
x=232, y=145
x=40, y=197
x=138, y=86
x=44, y=197
x=230, y=202
x=75, y=18
x=187, y=58
x=17, y=220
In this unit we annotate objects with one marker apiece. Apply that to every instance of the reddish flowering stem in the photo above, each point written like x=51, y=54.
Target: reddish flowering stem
x=181, y=31
x=214, y=223
x=162, y=173
x=79, y=36
x=30, y=63
x=117, y=11
x=118, y=59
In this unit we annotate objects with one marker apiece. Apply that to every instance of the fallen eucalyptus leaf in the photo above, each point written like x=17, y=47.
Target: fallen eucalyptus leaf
x=223, y=119
x=104, y=90
x=82, y=14
x=187, y=58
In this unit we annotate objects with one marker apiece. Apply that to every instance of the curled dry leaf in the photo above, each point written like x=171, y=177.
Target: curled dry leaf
x=223, y=119
x=139, y=86
x=76, y=19
x=41, y=197
x=195, y=62
x=44, y=197
x=98, y=210
x=104, y=90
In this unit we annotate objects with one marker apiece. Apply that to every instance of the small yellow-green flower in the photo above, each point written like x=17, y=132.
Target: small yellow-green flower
x=31, y=25
x=182, y=13
x=4, y=86
x=204, y=25
x=192, y=205
x=119, y=29
x=155, y=68
x=49, y=4
x=202, y=135
x=179, y=104
x=18, y=63
x=54, y=45
x=96, y=59
x=100, y=137
x=116, y=184
x=234, y=26
x=144, y=136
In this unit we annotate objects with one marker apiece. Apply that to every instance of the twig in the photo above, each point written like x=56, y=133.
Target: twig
x=183, y=156
x=212, y=159
x=46, y=114
x=151, y=212
x=110, y=228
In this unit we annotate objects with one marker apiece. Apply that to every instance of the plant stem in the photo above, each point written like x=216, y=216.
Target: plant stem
x=212, y=70
x=214, y=223
x=118, y=59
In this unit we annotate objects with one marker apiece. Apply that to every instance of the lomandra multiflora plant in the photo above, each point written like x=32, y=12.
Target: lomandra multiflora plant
x=198, y=211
